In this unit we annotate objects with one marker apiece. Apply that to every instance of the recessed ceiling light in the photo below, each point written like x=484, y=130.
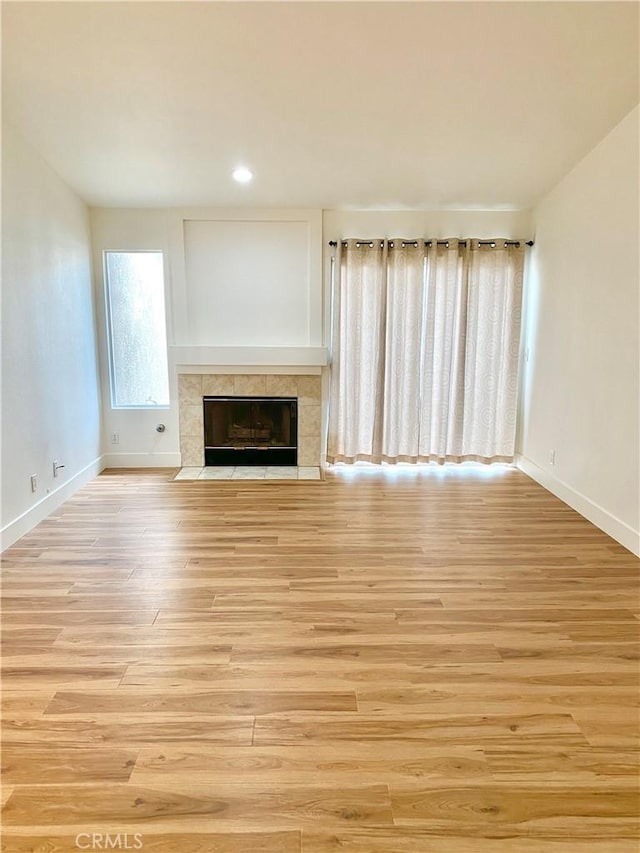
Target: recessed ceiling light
x=242, y=175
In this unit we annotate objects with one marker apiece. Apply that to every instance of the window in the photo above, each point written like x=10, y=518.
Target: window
x=134, y=287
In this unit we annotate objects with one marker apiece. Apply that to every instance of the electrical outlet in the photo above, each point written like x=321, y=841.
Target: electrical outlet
x=34, y=483
x=552, y=457
x=115, y=438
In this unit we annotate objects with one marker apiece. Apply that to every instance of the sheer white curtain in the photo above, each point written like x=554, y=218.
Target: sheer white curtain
x=443, y=356
x=425, y=351
x=404, y=368
x=358, y=352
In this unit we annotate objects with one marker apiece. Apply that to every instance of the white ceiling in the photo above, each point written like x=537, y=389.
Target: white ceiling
x=392, y=105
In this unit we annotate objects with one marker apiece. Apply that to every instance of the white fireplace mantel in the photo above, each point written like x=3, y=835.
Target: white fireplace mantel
x=204, y=356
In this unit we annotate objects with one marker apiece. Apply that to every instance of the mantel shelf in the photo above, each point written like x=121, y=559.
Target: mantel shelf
x=249, y=356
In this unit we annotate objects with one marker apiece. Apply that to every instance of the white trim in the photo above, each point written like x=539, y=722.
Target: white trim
x=249, y=214
x=250, y=356
x=245, y=369
x=25, y=522
x=593, y=512
x=166, y=459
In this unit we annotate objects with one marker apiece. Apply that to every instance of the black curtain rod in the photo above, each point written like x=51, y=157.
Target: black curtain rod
x=441, y=242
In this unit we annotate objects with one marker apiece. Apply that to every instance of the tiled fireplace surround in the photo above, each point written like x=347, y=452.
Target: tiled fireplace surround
x=192, y=387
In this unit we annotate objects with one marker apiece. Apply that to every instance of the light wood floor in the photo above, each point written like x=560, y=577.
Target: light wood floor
x=434, y=664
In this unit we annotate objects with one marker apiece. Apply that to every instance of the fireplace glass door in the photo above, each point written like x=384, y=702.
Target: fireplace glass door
x=250, y=430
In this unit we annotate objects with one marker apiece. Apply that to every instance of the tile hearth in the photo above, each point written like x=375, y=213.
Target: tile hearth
x=256, y=472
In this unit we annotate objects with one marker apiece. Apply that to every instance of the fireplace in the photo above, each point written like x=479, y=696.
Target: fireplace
x=250, y=430
x=305, y=389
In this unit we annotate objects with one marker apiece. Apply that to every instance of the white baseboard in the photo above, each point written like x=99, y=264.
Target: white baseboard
x=593, y=512
x=142, y=460
x=17, y=528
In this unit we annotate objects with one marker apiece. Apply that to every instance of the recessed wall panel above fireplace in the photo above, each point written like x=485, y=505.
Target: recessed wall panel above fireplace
x=246, y=283
x=247, y=279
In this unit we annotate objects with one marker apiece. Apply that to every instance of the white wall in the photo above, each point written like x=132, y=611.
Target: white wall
x=50, y=397
x=247, y=283
x=512, y=224
x=139, y=445
x=582, y=379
